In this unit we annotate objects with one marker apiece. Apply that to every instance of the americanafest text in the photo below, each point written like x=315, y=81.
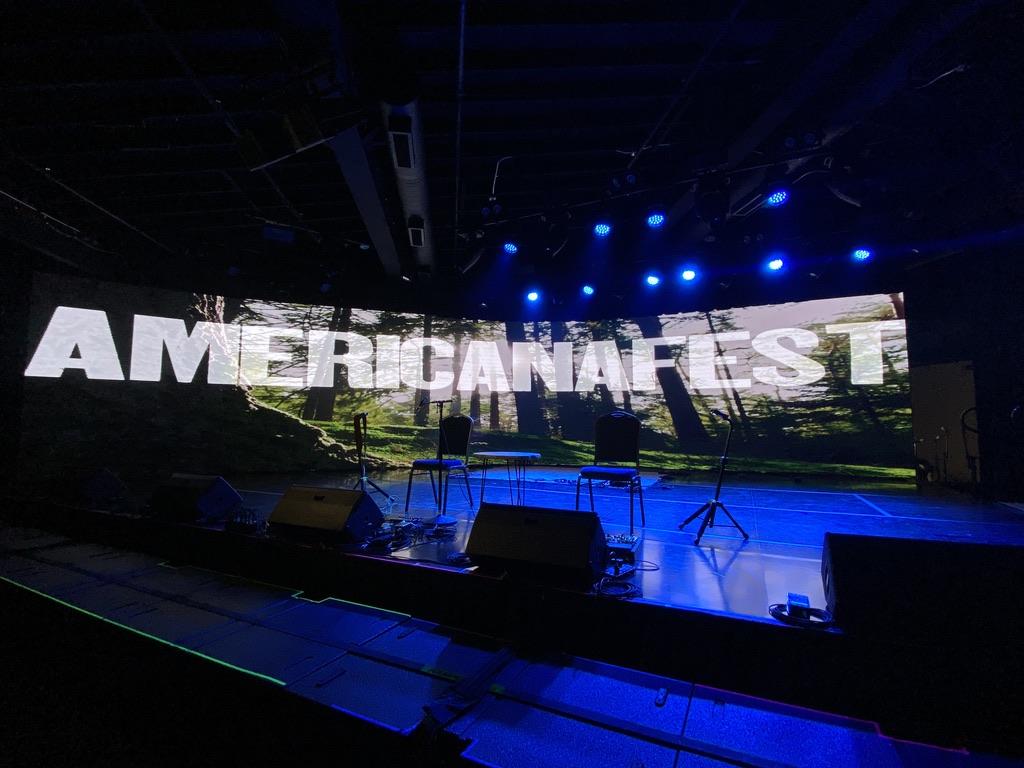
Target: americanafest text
x=247, y=355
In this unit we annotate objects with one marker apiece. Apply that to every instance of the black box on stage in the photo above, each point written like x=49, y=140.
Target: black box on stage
x=187, y=498
x=327, y=515
x=561, y=545
x=910, y=590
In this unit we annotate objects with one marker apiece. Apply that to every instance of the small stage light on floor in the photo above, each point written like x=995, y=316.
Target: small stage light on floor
x=511, y=248
x=533, y=296
x=587, y=290
x=601, y=229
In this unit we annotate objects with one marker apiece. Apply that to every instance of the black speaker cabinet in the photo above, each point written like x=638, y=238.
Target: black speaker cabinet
x=556, y=545
x=326, y=515
x=908, y=590
x=187, y=498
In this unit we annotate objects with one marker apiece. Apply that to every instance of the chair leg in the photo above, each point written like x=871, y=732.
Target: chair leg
x=640, y=491
x=469, y=491
x=578, y=479
x=630, y=508
x=408, y=493
x=590, y=489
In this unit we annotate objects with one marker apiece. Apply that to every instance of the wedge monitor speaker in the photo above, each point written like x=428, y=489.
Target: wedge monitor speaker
x=327, y=515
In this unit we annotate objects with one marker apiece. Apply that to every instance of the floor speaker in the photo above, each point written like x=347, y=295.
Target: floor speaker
x=326, y=515
x=909, y=590
x=188, y=498
x=542, y=544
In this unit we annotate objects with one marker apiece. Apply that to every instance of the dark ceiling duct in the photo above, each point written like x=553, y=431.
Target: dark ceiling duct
x=405, y=138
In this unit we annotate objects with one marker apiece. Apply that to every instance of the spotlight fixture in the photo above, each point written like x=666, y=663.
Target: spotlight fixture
x=652, y=279
x=689, y=275
x=602, y=229
x=775, y=264
x=533, y=296
x=655, y=220
x=511, y=248
x=587, y=290
x=776, y=199
x=861, y=254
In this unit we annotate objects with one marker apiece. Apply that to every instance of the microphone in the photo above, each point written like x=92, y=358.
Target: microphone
x=719, y=414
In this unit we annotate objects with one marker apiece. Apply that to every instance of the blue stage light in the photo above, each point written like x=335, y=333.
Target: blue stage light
x=511, y=249
x=533, y=295
x=777, y=198
x=776, y=264
x=689, y=275
x=652, y=279
x=588, y=290
x=655, y=220
x=861, y=254
x=602, y=229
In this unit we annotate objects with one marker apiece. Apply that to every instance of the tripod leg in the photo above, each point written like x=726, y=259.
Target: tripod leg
x=695, y=515
x=469, y=491
x=408, y=493
x=578, y=479
x=704, y=525
x=738, y=526
x=590, y=490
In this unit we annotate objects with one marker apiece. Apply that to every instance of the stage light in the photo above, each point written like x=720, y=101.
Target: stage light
x=777, y=198
x=588, y=290
x=533, y=296
x=651, y=279
x=861, y=254
x=655, y=220
x=688, y=275
x=776, y=264
x=601, y=229
x=511, y=249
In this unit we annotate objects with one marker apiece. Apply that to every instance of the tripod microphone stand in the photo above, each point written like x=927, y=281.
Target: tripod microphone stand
x=359, y=423
x=442, y=477
x=713, y=504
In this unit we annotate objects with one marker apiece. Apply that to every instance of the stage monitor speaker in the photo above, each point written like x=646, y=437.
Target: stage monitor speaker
x=188, y=498
x=558, y=545
x=327, y=515
x=916, y=591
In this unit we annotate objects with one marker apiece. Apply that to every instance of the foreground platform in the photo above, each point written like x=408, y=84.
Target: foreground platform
x=500, y=705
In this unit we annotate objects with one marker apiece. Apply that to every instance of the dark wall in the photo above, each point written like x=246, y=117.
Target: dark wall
x=971, y=307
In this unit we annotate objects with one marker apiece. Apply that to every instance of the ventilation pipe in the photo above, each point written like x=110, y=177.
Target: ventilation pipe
x=405, y=138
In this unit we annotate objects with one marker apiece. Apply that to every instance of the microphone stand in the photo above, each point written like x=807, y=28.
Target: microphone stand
x=714, y=504
x=359, y=424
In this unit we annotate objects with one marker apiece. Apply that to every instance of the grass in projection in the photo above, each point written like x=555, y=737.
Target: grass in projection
x=821, y=405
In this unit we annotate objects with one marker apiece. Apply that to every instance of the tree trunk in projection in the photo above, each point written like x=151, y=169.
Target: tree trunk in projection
x=574, y=420
x=898, y=306
x=685, y=420
x=495, y=414
x=319, y=404
x=740, y=409
x=422, y=415
x=599, y=332
x=474, y=405
x=529, y=418
x=456, y=408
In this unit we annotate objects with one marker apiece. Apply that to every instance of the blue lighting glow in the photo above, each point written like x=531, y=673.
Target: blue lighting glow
x=777, y=198
x=652, y=279
x=655, y=220
x=861, y=254
x=689, y=275
x=511, y=249
x=602, y=229
x=776, y=264
x=588, y=290
x=533, y=295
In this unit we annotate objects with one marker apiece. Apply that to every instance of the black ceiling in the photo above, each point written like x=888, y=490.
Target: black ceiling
x=191, y=145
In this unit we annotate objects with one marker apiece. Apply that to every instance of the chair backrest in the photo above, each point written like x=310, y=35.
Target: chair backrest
x=617, y=438
x=455, y=434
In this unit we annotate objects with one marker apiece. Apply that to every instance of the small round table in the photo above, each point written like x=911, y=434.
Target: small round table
x=516, y=463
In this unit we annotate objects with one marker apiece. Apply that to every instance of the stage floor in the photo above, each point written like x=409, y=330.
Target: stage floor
x=725, y=574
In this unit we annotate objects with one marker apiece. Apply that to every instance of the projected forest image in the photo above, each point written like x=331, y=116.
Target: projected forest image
x=813, y=418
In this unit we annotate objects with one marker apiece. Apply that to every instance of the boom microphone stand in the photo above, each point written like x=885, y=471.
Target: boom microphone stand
x=359, y=423
x=714, y=504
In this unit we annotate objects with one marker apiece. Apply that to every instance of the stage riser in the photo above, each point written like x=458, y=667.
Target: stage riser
x=930, y=693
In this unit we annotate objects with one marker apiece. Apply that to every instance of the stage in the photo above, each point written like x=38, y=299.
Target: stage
x=785, y=518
